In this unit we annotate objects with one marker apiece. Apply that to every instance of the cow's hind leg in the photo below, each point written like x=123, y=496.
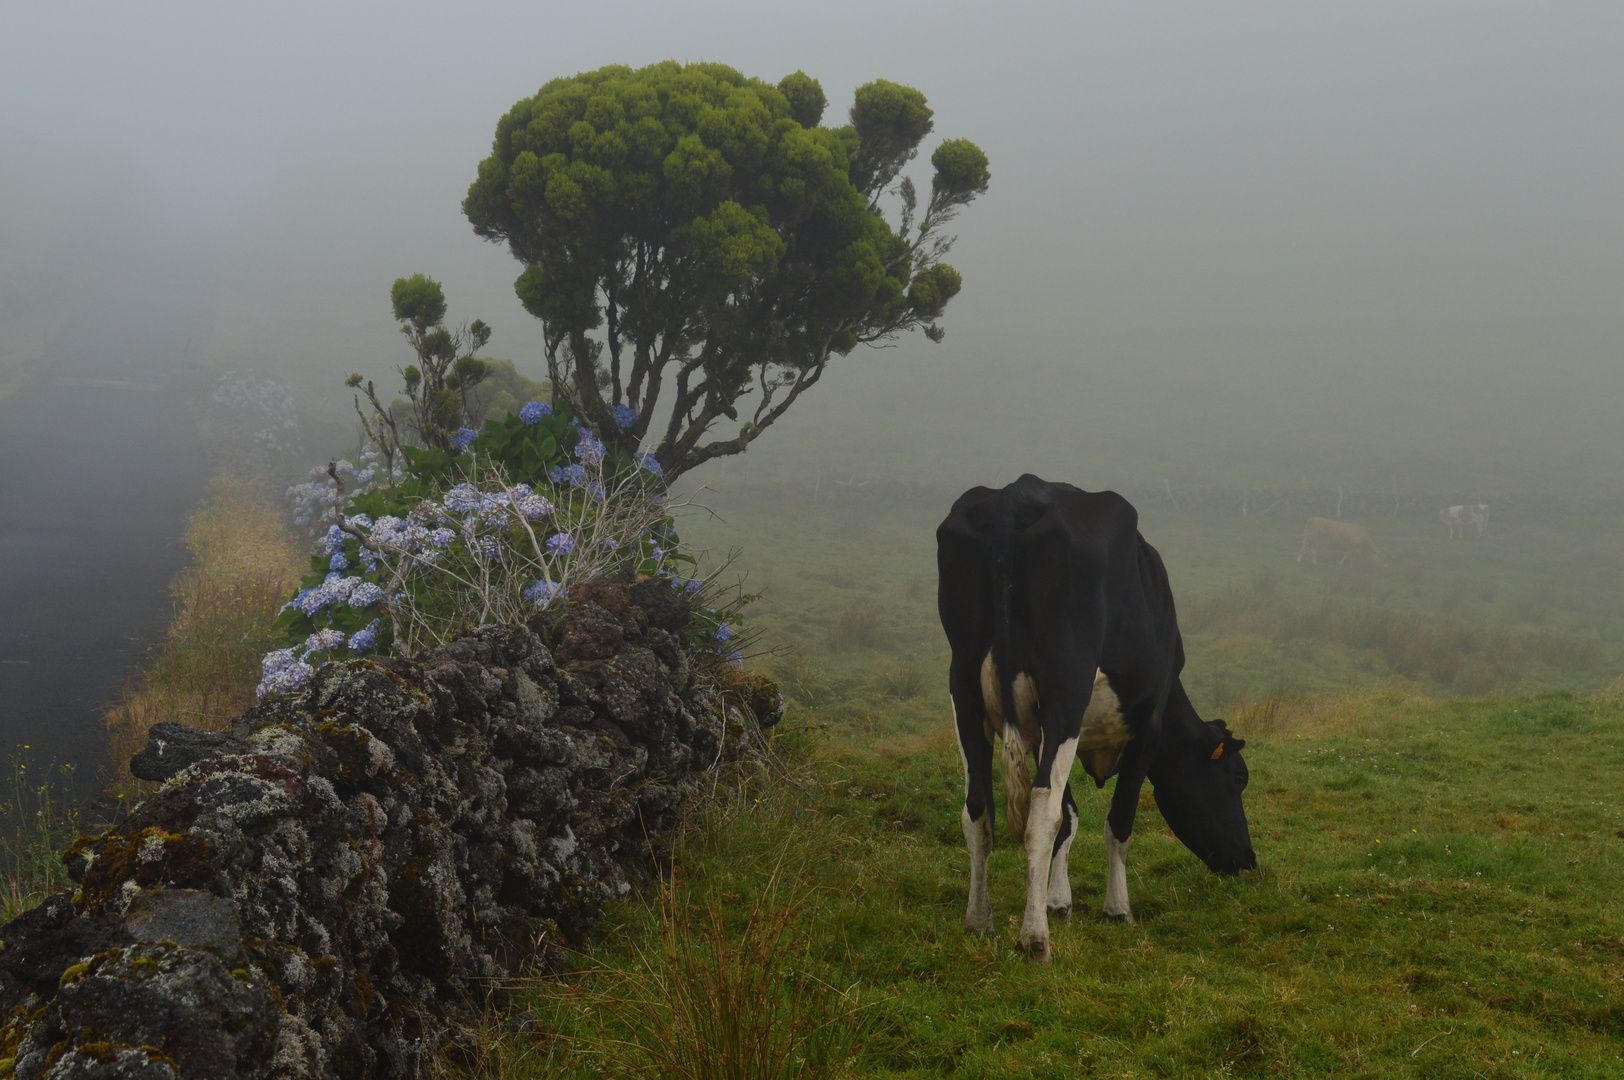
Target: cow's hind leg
x=1059, y=875
x=977, y=815
x=1042, y=839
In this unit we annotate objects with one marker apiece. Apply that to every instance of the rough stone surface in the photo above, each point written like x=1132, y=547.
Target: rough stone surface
x=316, y=893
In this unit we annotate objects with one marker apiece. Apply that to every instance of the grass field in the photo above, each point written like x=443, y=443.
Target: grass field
x=1438, y=892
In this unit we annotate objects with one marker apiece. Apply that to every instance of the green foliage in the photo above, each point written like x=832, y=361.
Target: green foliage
x=504, y=390
x=438, y=386
x=697, y=247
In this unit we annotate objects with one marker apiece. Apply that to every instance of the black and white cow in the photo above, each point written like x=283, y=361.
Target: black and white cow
x=1065, y=644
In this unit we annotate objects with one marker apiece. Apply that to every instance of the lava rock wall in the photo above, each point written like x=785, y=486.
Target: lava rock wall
x=318, y=892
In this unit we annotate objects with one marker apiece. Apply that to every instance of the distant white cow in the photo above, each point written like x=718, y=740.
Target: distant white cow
x=1458, y=517
x=1343, y=536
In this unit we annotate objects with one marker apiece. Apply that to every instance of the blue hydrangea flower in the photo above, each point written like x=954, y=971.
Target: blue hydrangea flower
x=611, y=544
x=365, y=640
x=365, y=595
x=533, y=507
x=647, y=460
x=333, y=541
x=556, y=474
x=625, y=416
x=724, y=632
x=596, y=490
x=285, y=680
x=463, y=438
x=463, y=499
x=277, y=661
x=442, y=537
x=338, y=562
x=589, y=449
x=532, y=413
x=324, y=641
x=576, y=475
x=361, y=521
x=693, y=585
x=735, y=659
x=560, y=544
x=541, y=593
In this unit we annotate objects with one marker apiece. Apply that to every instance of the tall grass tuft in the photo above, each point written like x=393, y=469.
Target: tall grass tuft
x=246, y=560
x=721, y=996
x=36, y=822
x=857, y=627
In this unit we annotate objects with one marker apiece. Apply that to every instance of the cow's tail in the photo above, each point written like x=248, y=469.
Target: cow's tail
x=1017, y=766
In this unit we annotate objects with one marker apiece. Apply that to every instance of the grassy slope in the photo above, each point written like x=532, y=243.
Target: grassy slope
x=1438, y=893
x=1437, y=897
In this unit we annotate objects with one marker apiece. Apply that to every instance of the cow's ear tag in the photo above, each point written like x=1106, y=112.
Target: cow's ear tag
x=1218, y=751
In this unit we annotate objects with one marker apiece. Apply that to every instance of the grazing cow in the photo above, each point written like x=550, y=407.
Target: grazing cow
x=1065, y=643
x=1457, y=517
x=1343, y=536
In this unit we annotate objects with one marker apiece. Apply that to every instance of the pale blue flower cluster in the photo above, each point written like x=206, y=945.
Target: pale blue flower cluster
x=735, y=659
x=531, y=505
x=365, y=640
x=532, y=413
x=263, y=402
x=574, y=475
x=625, y=416
x=542, y=593
x=464, y=438
x=724, y=632
x=315, y=501
x=324, y=641
x=560, y=544
x=338, y=561
x=282, y=672
x=647, y=460
x=365, y=595
x=589, y=449
x=336, y=589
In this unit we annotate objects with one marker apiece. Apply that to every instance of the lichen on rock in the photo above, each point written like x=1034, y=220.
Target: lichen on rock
x=312, y=894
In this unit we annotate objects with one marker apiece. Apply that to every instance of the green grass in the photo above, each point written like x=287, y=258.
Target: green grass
x=1438, y=892
x=1437, y=896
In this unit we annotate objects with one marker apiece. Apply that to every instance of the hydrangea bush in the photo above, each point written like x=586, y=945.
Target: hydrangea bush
x=488, y=532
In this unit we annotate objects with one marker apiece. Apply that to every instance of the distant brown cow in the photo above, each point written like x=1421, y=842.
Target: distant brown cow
x=1343, y=536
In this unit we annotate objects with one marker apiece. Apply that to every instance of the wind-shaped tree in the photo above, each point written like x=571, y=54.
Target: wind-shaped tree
x=697, y=247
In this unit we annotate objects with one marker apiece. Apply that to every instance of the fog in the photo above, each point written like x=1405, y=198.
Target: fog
x=1297, y=244
x=1376, y=248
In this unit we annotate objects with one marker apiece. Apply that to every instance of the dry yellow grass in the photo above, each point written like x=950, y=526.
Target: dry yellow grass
x=246, y=561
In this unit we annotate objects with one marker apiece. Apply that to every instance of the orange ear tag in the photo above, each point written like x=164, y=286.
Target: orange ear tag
x=1218, y=752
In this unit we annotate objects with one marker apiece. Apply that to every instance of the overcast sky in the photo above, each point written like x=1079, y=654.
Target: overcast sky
x=1365, y=207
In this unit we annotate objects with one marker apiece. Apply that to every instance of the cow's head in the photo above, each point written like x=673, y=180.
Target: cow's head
x=1198, y=783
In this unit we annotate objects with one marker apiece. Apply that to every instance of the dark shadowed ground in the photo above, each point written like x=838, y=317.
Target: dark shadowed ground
x=97, y=475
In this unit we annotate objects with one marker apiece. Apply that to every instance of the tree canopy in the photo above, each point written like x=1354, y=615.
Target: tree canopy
x=698, y=247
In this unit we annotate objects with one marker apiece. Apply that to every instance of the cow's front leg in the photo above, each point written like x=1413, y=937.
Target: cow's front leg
x=1042, y=829
x=1059, y=874
x=1116, y=876
x=1119, y=825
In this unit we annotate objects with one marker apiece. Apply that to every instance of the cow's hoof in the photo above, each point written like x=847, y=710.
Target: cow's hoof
x=982, y=929
x=1037, y=951
x=1125, y=917
x=1060, y=912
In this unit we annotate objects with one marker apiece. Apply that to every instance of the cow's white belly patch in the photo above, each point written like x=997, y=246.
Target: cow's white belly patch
x=1100, y=739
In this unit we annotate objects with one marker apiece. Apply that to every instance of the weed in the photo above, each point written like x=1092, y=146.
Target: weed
x=856, y=627
x=36, y=823
x=904, y=682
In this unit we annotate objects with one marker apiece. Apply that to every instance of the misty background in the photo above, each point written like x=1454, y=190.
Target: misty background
x=1289, y=244
x=1376, y=248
